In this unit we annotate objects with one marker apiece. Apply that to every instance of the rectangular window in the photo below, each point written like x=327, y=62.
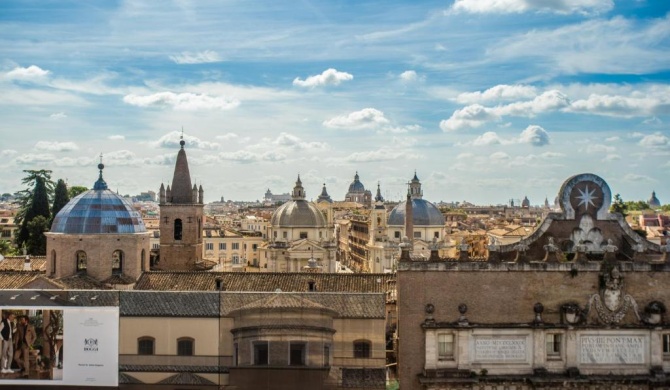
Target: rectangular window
x=222, y=246
x=554, y=346
x=417, y=234
x=297, y=354
x=396, y=234
x=303, y=234
x=6, y=233
x=666, y=346
x=145, y=346
x=156, y=246
x=236, y=246
x=261, y=354
x=236, y=259
x=437, y=235
x=254, y=247
x=284, y=234
x=209, y=246
x=326, y=355
x=185, y=347
x=445, y=346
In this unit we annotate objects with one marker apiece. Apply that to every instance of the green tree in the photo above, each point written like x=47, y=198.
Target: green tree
x=37, y=241
x=7, y=249
x=76, y=190
x=61, y=197
x=619, y=206
x=33, y=202
x=638, y=205
x=665, y=207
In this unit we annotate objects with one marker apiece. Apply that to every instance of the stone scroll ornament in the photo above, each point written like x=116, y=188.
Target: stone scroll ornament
x=611, y=303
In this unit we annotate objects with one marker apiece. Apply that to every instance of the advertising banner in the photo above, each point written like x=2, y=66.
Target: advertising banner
x=59, y=345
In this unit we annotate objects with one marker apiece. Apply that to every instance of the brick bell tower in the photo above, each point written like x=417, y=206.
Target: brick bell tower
x=181, y=217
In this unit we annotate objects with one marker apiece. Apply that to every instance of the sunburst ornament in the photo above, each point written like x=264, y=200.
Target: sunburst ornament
x=586, y=197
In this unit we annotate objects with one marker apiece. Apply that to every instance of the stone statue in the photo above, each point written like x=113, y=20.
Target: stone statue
x=550, y=247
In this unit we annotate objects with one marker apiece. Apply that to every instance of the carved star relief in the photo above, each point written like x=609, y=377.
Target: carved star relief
x=586, y=197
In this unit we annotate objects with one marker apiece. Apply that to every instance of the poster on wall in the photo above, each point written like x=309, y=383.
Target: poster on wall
x=59, y=346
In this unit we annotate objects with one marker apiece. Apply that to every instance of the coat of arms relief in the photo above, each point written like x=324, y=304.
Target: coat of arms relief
x=612, y=303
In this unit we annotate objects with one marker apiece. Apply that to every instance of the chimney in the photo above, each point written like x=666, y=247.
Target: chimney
x=219, y=284
x=26, y=264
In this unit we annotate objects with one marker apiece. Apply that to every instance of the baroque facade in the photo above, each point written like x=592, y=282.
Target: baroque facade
x=579, y=303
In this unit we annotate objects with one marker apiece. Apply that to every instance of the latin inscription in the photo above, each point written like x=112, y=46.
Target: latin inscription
x=500, y=349
x=612, y=349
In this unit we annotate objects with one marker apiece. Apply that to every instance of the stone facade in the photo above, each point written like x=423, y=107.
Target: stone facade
x=580, y=303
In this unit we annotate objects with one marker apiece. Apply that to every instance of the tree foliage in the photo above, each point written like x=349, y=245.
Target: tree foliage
x=75, y=190
x=37, y=241
x=637, y=205
x=619, y=206
x=61, y=197
x=34, y=202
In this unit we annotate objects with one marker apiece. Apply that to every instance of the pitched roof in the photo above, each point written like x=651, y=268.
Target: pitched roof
x=125, y=379
x=15, y=263
x=186, y=378
x=346, y=305
x=16, y=279
x=175, y=304
x=263, y=281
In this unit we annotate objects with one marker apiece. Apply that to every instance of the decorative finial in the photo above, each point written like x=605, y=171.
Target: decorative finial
x=100, y=183
x=101, y=166
x=181, y=142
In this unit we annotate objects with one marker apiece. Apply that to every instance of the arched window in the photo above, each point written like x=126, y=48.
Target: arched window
x=185, y=346
x=362, y=348
x=53, y=261
x=177, y=229
x=146, y=345
x=117, y=262
x=80, y=258
x=142, y=256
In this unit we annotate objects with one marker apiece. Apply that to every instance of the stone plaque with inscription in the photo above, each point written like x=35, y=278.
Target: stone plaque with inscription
x=500, y=349
x=622, y=349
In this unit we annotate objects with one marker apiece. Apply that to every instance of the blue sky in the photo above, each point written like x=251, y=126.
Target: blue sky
x=487, y=99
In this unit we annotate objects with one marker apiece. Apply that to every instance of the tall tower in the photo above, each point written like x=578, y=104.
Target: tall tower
x=181, y=213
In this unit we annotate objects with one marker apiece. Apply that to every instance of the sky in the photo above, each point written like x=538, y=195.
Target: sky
x=487, y=100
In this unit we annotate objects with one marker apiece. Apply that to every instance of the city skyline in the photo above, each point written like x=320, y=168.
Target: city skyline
x=486, y=100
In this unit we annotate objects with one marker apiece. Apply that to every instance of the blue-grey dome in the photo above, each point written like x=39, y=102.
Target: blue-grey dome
x=356, y=186
x=98, y=211
x=298, y=213
x=424, y=213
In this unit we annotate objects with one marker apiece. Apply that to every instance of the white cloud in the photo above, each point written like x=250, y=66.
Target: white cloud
x=31, y=73
x=603, y=46
x=8, y=152
x=171, y=141
x=56, y=146
x=398, y=129
x=58, y=115
x=519, y=6
x=500, y=92
x=30, y=159
x=611, y=157
x=632, y=177
x=383, y=154
x=470, y=116
x=655, y=141
x=202, y=57
x=182, y=101
x=600, y=148
x=116, y=137
x=613, y=139
x=227, y=136
x=366, y=118
x=292, y=141
x=499, y=156
x=488, y=138
x=245, y=157
x=534, y=135
x=548, y=101
x=327, y=77
x=409, y=76
x=619, y=106
x=635, y=134
x=121, y=158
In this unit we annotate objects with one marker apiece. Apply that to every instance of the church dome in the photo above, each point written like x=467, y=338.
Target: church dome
x=424, y=213
x=298, y=212
x=653, y=201
x=356, y=186
x=98, y=211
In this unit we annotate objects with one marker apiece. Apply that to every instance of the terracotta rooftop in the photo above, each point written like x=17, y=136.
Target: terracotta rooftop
x=175, y=304
x=15, y=263
x=347, y=305
x=186, y=378
x=263, y=281
x=16, y=279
